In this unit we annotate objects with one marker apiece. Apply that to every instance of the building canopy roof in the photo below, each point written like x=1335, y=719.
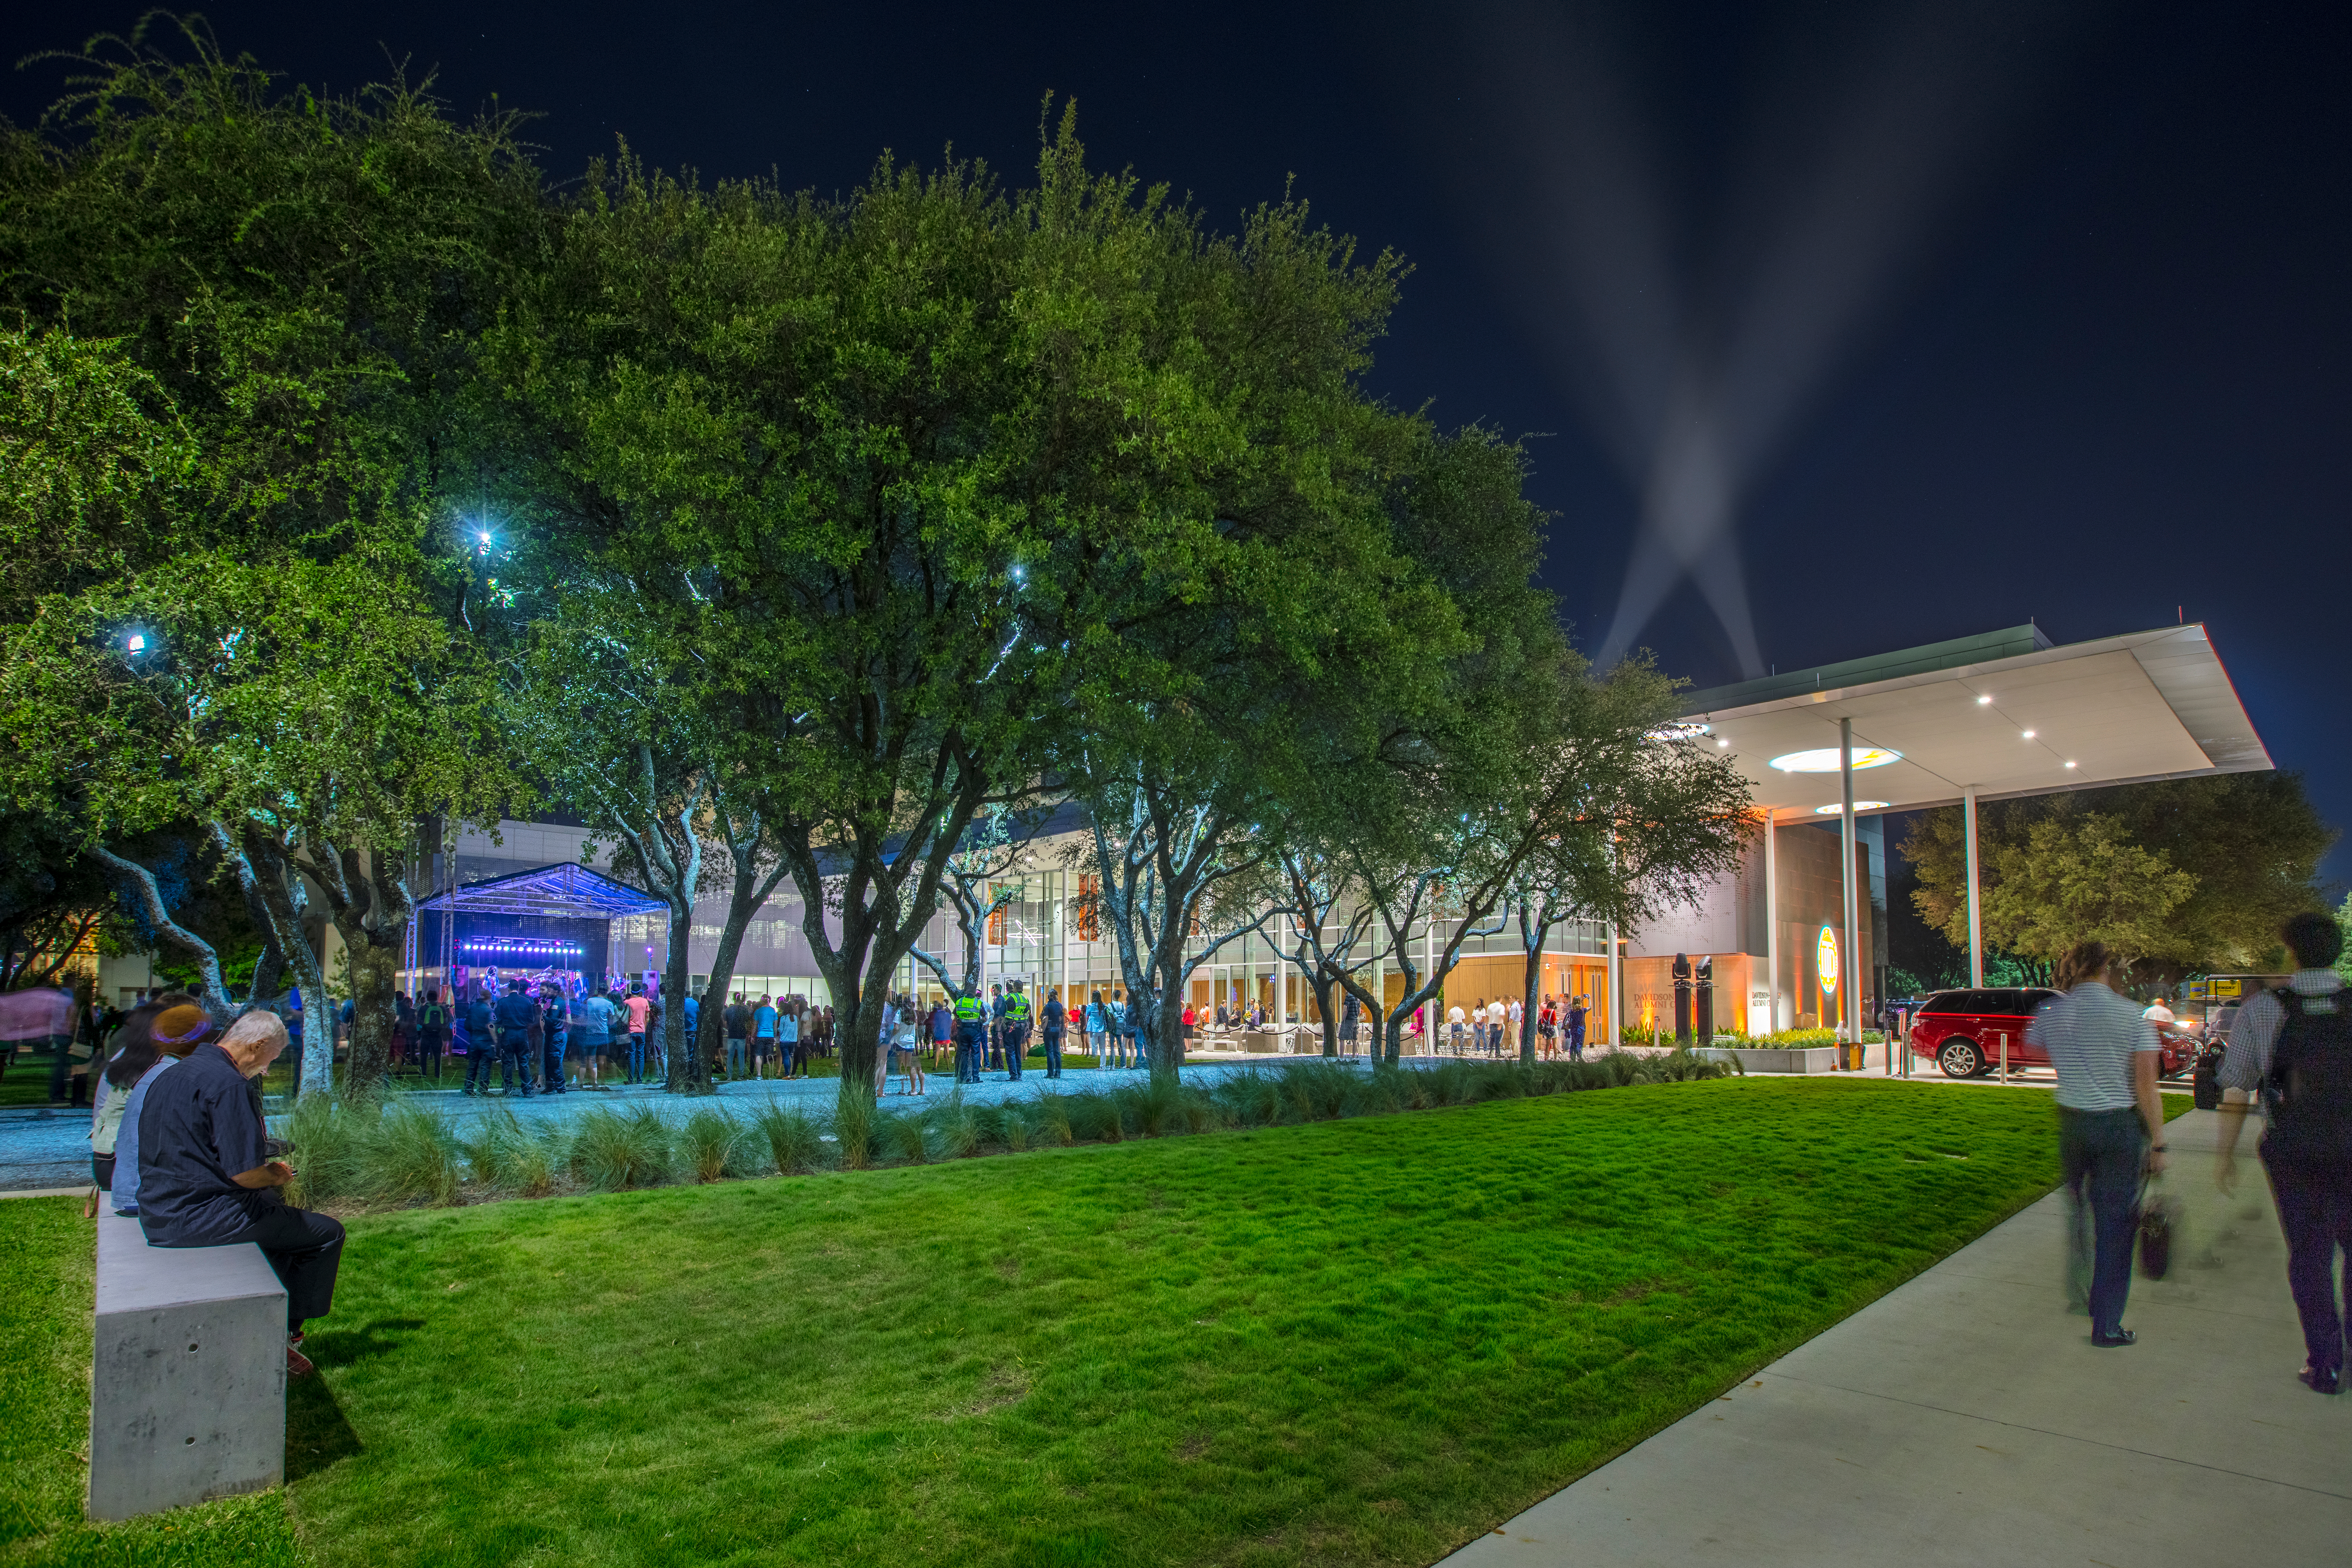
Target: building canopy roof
x=563, y=892
x=2005, y=714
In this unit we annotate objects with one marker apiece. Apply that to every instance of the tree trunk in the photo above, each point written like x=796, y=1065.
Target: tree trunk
x=1531, y=943
x=375, y=977
x=689, y=1070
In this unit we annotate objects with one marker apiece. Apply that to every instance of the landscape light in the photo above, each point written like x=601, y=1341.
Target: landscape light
x=136, y=642
x=1825, y=760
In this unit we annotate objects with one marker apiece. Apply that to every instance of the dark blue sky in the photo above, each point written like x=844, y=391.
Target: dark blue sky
x=2115, y=379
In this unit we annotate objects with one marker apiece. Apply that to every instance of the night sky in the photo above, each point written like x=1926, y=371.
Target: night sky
x=2100, y=374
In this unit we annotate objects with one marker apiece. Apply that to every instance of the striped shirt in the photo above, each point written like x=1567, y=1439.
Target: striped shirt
x=2256, y=1031
x=2092, y=1035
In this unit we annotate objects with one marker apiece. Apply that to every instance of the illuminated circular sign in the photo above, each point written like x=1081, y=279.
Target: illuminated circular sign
x=1825, y=761
x=1836, y=809
x=1825, y=959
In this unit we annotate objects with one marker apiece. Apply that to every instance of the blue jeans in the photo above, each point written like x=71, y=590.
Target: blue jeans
x=1576, y=1044
x=2102, y=1153
x=735, y=1058
x=1052, y=1051
x=636, y=1057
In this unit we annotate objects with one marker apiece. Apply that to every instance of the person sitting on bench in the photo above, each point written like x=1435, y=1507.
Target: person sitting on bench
x=205, y=1178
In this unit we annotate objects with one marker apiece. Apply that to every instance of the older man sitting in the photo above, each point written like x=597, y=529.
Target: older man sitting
x=205, y=1178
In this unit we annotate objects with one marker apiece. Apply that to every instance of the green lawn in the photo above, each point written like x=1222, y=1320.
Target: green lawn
x=1361, y=1341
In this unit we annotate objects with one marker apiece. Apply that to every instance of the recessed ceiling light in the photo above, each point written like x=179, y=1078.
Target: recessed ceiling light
x=1721, y=741
x=1825, y=761
x=1836, y=809
x=1983, y=702
x=2070, y=764
x=2028, y=734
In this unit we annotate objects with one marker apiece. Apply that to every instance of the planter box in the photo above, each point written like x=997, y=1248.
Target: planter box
x=1777, y=1058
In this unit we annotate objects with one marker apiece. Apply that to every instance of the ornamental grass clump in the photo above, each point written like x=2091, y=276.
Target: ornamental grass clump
x=795, y=1139
x=709, y=1143
x=956, y=1127
x=614, y=1149
x=409, y=1154
x=854, y=1119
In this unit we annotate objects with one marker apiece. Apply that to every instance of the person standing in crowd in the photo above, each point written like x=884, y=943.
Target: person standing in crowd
x=763, y=1034
x=2156, y=1012
x=656, y=1037
x=638, y=1010
x=792, y=1051
x=2292, y=1048
x=942, y=1032
x=971, y=1023
x=481, y=1040
x=2110, y=1121
x=556, y=1036
x=516, y=1019
x=1055, y=1020
x=905, y=1050
x=736, y=1024
x=1351, y=1019
x=404, y=1029
x=1097, y=1024
x=205, y=1178
x=1576, y=1014
x=432, y=1032
x=1016, y=1030
x=993, y=1053
x=591, y=1035
x=1190, y=1018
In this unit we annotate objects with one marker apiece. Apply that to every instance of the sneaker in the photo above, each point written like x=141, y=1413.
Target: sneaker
x=2110, y=1341
x=2320, y=1382
x=297, y=1363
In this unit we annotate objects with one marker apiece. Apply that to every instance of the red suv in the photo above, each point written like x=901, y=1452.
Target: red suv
x=1963, y=1031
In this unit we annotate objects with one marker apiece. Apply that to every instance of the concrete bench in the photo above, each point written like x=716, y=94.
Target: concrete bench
x=187, y=1389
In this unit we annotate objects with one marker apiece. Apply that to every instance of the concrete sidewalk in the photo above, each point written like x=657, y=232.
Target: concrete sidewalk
x=1964, y=1418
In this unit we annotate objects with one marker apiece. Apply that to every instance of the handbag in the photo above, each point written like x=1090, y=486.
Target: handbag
x=2159, y=1228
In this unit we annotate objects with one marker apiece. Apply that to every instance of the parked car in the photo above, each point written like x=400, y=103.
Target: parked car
x=1963, y=1031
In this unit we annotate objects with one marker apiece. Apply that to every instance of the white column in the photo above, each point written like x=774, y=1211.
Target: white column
x=1616, y=993
x=1976, y=906
x=1771, y=921
x=1061, y=928
x=1849, y=964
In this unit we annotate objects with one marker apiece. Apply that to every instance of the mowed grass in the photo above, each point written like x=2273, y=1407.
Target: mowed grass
x=1360, y=1340
x=1363, y=1340
x=46, y=1265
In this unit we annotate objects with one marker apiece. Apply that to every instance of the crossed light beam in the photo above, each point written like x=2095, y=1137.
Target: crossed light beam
x=1698, y=342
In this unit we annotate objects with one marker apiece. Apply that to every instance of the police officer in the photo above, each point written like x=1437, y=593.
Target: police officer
x=970, y=1021
x=481, y=1040
x=517, y=1023
x=550, y=1026
x=1016, y=1030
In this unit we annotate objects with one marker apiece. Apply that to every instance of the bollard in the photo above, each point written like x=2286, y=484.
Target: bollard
x=2004, y=1055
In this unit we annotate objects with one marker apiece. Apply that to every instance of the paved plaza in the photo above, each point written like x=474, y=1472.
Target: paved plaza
x=46, y=1148
x=1965, y=1419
